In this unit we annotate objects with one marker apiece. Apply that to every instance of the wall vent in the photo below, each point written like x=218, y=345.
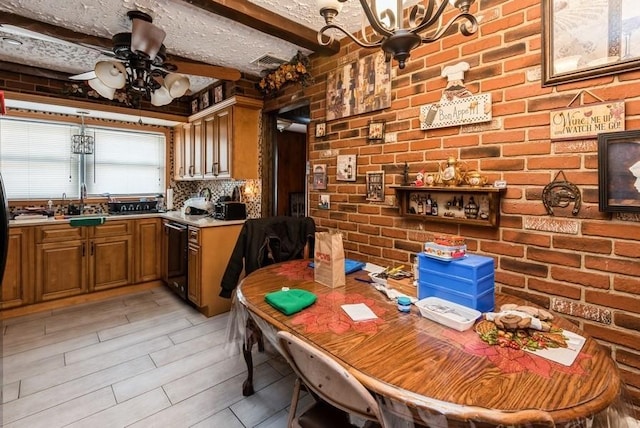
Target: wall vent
x=268, y=61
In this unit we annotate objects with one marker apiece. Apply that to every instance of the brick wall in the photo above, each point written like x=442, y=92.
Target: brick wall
x=585, y=267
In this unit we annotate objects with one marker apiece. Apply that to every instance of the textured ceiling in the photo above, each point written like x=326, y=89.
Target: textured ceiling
x=192, y=33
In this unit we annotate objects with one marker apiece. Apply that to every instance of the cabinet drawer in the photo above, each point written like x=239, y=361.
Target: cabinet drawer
x=112, y=228
x=58, y=233
x=194, y=235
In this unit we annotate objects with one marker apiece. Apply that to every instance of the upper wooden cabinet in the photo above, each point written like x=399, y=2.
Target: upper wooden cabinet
x=219, y=142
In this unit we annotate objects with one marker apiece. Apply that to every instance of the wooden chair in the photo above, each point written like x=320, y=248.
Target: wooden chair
x=339, y=393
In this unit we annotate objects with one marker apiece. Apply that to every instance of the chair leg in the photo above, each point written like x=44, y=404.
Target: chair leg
x=294, y=403
x=252, y=335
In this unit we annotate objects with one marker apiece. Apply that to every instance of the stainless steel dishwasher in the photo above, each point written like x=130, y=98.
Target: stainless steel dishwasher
x=175, y=275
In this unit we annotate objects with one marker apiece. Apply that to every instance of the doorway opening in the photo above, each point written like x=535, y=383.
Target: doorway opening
x=290, y=152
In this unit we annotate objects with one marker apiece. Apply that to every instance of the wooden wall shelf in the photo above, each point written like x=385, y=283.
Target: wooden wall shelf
x=487, y=198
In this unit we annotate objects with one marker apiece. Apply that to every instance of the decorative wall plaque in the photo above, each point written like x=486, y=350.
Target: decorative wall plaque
x=587, y=120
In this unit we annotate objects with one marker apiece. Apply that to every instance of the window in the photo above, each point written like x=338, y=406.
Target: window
x=37, y=163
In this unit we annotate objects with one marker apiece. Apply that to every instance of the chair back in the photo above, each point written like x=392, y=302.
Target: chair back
x=328, y=379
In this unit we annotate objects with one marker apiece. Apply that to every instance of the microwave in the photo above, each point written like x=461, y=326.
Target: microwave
x=230, y=211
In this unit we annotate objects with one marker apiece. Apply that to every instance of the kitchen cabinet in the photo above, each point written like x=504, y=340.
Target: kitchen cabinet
x=148, y=249
x=210, y=249
x=453, y=204
x=77, y=260
x=219, y=142
x=17, y=284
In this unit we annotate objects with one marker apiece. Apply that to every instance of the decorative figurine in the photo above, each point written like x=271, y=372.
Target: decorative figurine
x=419, y=179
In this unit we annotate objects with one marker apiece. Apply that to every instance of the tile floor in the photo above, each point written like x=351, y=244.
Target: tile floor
x=142, y=360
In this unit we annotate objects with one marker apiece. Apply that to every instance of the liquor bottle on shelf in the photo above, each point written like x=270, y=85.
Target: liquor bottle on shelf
x=429, y=205
x=434, y=207
x=420, y=206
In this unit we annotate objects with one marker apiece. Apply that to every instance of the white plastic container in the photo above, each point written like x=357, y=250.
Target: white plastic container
x=447, y=313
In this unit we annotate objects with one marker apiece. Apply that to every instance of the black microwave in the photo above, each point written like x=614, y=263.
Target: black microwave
x=230, y=211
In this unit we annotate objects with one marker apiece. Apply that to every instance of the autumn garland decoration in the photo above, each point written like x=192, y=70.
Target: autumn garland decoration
x=296, y=70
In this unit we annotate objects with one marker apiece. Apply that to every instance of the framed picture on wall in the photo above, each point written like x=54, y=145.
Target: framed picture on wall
x=375, y=186
x=583, y=39
x=319, y=177
x=218, y=94
x=376, y=131
x=204, y=100
x=619, y=171
x=346, y=168
x=321, y=129
x=194, y=106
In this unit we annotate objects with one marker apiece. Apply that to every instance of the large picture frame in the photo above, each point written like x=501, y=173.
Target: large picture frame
x=358, y=85
x=346, y=168
x=619, y=171
x=582, y=39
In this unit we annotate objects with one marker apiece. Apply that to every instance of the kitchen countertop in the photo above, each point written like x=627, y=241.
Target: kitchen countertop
x=191, y=220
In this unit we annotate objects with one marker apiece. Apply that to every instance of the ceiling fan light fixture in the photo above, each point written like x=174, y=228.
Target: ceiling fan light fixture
x=111, y=73
x=102, y=89
x=161, y=97
x=146, y=38
x=177, y=84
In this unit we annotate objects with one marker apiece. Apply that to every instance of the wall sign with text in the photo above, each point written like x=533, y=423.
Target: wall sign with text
x=586, y=121
x=457, y=111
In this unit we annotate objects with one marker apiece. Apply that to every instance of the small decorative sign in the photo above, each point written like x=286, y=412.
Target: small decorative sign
x=460, y=111
x=457, y=106
x=587, y=120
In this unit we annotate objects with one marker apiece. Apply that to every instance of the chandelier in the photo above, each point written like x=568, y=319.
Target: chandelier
x=394, y=33
x=82, y=144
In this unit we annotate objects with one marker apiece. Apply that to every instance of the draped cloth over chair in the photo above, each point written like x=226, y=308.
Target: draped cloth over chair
x=339, y=393
x=264, y=241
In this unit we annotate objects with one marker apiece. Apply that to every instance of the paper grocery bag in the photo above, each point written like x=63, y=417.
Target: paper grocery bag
x=328, y=259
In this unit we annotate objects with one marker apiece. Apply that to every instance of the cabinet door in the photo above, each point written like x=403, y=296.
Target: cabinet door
x=61, y=269
x=223, y=142
x=194, y=290
x=148, y=249
x=179, y=154
x=111, y=262
x=17, y=288
x=195, y=165
x=209, y=147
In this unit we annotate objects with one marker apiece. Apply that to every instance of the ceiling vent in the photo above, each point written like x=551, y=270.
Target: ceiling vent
x=268, y=61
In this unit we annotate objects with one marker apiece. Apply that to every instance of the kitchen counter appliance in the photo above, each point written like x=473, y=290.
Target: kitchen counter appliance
x=230, y=210
x=141, y=207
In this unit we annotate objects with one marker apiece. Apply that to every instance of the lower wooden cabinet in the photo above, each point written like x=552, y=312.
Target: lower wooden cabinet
x=148, y=247
x=76, y=260
x=17, y=284
x=209, y=251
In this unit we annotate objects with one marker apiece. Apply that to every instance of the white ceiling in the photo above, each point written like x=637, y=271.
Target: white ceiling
x=192, y=32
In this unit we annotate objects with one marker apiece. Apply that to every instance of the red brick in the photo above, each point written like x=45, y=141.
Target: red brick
x=592, y=245
x=626, y=284
x=613, y=265
x=586, y=279
x=502, y=249
x=554, y=289
x=613, y=300
x=615, y=336
x=627, y=249
x=553, y=257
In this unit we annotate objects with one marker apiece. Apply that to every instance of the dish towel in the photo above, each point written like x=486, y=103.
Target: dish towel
x=289, y=301
x=86, y=221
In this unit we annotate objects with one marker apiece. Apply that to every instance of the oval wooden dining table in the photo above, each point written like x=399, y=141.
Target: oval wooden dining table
x=425, y=372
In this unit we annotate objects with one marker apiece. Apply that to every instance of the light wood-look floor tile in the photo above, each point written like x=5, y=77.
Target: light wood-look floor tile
x=144, y=360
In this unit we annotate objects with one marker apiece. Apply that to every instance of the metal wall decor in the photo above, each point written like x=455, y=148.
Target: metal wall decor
x=561, y=193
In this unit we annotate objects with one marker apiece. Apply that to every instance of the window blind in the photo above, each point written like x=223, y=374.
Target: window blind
x=36, y=161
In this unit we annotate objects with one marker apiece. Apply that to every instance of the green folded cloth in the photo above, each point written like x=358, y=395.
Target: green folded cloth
x=290, y=301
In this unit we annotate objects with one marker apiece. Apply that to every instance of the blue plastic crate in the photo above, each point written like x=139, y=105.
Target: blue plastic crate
x=468, y=281
x=484, y=302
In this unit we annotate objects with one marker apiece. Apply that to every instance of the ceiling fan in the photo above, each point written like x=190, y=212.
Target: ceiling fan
x=139, y=65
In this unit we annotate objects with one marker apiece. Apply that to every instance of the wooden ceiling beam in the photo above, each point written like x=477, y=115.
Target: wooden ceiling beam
x=268, y=22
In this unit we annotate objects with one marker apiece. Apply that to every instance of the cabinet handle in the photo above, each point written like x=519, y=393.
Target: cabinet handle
x=83, y=249
x=192, y=170
x=181, y=171
x=215, y=168
x=92, y=249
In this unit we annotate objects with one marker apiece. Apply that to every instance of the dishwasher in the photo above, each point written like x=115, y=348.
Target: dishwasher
x=176, y=252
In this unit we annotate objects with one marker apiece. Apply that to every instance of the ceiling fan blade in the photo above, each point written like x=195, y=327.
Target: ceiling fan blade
x=205, y=70
x=87, y=75
x=145, y=37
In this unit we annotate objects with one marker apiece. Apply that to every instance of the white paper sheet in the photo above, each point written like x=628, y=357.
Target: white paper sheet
x=359, y=312
x=565, y=356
